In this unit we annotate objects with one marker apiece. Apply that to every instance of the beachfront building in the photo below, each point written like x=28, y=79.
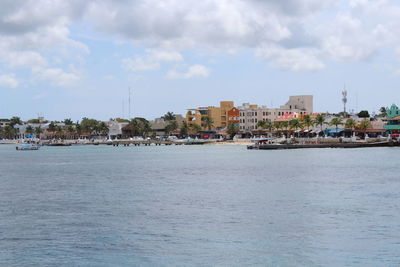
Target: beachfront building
x=159, y=125
x=296, y=106
x=115, y=128
x=219, y=115
x=393, y=120
x=249, y=115
x=233, y=116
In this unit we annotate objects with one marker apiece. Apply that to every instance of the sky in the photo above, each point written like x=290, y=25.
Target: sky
x=72, y=59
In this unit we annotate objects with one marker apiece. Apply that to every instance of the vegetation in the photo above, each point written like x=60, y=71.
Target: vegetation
x=169, y=116
x=336, y=122
x=232, y=130
x=350, y=124
x=320, y=120
x=138, y=127
x=363, y=114
x=363, y=126
x=207, y=122
x=307, y=121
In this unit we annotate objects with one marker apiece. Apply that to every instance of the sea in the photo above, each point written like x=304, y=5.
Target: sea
x=207, y=205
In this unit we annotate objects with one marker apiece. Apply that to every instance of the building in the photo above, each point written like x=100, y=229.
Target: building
x=158, y=126
x=393, y=120
x=250, y=114
x=219, y=115
x=233, y=116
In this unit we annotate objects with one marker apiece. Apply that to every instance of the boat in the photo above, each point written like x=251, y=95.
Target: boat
x=28, y=145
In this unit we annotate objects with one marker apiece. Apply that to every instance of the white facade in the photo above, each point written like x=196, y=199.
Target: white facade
x=251, y=114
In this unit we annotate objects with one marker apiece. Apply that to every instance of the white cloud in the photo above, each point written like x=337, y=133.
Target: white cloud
x=292, y=59
x=195, y=71
x=151, y=61
x=57, y=76
x=139, y=64
x=298, y=35
x=8, y=80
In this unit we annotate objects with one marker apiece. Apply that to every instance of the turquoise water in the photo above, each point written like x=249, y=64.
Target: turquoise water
x=199, y=205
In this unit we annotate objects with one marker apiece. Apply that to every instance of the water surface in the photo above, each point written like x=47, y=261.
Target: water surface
x=199, y=205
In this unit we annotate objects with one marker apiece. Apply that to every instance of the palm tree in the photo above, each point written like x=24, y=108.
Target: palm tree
x=172, y=126
x=169, y=116
x=184, y=130
x=29, y=130
x=232, y=130
x=9, y=132
x=14, y=121
x=68, y=122
x=308, y=122
x=350, y=124
x=336, y=122
x=277, y=126
x=319, y=120
x=262, y=124
x=207, y=122
x=364, y=125
x=194, y=128
x=294, y=124
x=38, y=131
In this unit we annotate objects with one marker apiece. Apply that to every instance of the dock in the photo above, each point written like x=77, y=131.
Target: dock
x=324, y=145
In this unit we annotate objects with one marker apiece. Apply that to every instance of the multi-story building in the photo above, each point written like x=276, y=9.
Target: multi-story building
x=251, y=114
x=393, y=120
x=233, y=116
x=219, y=115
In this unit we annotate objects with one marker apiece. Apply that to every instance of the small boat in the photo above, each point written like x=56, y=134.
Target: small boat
x=28, y=145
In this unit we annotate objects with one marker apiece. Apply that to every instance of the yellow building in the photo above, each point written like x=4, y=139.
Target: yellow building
x=219, y=115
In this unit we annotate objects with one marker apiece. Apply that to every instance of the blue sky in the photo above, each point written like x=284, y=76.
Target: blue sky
x=69, y=59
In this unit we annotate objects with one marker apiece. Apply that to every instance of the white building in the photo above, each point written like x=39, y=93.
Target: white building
x=251, y=114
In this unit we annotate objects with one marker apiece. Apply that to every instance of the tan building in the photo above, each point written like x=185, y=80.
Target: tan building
x=219, y=115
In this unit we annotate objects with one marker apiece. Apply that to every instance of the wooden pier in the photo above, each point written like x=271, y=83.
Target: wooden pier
x=143, y=143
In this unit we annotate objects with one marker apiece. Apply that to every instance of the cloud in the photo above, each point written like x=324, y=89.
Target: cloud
x=57, y=76
x=195, y=71
x=8, y=80
x=151, y=61
x=298, y=35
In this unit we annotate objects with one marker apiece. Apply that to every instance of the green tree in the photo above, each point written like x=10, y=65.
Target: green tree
x=52, y=127
x=171, y=126
x=207, y=122
x=364, y=125
x=38, y=131
x=383, y=112
x=320, y=120
x=184, y=130
x=169, y=116
x=363, y=114
x=138, y=127
x=308, y=122
x=194, y=128
x=350, y=124
x=232, y=130
x=9, y=132
x=68, y=122
x=29, y=130
x=33, y=121
x=14, y=121
x=294, y=124
x=336, y=122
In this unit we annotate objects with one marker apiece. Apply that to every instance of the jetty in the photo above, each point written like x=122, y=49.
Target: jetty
x=261, y=146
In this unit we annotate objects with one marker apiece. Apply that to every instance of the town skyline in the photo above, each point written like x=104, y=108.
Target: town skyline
x=74, y=59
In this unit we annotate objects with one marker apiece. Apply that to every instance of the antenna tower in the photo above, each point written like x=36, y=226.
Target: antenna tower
x=344, y=99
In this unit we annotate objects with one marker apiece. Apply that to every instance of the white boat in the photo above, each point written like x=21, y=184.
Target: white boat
x=28, y=145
